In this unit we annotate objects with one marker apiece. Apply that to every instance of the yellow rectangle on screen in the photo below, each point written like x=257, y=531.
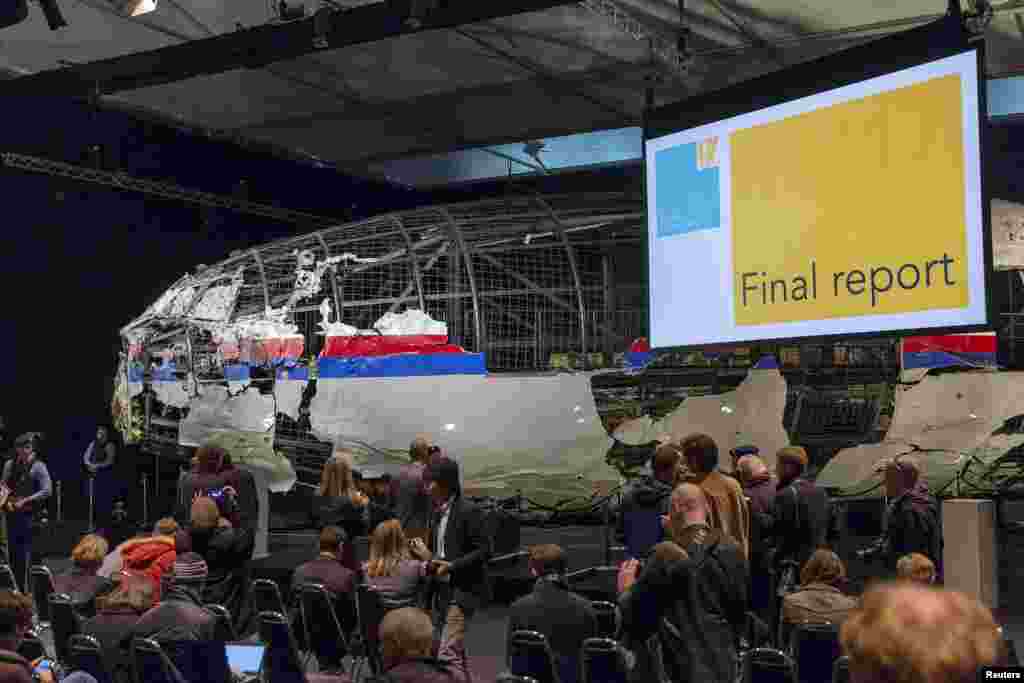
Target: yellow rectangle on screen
x=854, y=209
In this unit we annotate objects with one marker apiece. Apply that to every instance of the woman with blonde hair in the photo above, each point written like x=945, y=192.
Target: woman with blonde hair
x=917, y=568
x=392, y=570
x=339, y=502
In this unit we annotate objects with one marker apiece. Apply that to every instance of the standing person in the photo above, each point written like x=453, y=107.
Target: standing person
x=232, y=487
x=27, y=483
x=728, y=505
x=460, y=550
x=638, y=520
x=339, y=502
x=801, y=517
x=99, y=459
x=412, y=504
x=760, y=486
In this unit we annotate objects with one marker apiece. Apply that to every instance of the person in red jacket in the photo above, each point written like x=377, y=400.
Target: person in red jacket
x=152, y=557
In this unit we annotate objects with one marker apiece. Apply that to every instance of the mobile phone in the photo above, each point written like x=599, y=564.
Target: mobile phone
x=44, y=665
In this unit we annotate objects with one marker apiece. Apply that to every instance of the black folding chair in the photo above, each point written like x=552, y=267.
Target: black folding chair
x=281, y=663
x=327, y=639
x=768, y=665
x=86, y=654
x=199, y=660
x=601, y=661
x=151, y=663
x=1010, y=650
x=64, y=623
x=225, y=630
x=266, y=597
x=607, y=618
x=371, y=607
x=815, y=649
x=361, y=550
x=529, y=654
x=31, y=648
x=42, y=589
x=841, y=670
x=7, y=580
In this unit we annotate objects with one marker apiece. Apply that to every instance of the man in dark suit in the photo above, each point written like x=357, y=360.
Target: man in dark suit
x=328, y=571
x=564, y=618
x=459, y=550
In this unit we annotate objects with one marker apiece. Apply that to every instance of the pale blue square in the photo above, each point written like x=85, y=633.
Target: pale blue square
x=689, y=199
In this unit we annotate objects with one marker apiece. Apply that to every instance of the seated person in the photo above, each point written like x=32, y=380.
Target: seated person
x=406, y=640
x=916, y=567
x=116, y=615
x=15, y=623
x=339, y=502
x=150, y=556
x=392, y=571
x=819, y=599
x=564, y=618
x=225, y=550
x=113, y=563
x=180, y=614
x=328, y=571
x=81, y=582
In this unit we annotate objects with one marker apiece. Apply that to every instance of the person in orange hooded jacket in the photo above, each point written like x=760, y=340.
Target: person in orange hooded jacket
x=151, y=556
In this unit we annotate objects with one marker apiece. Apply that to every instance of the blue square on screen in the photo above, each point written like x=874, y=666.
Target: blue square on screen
x=689, y=197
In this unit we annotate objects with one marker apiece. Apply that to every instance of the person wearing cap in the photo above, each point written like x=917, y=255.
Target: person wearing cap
x=738, y=454
x=458, y=552
x=27, y=480
x=801, y=521
x=180, y=614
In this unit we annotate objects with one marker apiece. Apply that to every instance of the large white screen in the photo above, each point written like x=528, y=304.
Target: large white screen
x=856, y=210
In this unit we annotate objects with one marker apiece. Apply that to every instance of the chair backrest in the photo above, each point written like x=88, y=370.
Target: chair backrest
x=324, y=635
x=63, y=622
x=815, y=649
x=281, y=659
x=266, y=597
x=225, y=629
x=370, y=608
x=529, y=654
x=841, y=670
x=31, y=648
x=86, y=654
x=643, y=530
x=7, y=581
x=151, y=663
x=767, y=665
x=607, y=618
x=199, y=660
x=601, y=662
x=361, y=549
x=42, y=589
x=1010, y=652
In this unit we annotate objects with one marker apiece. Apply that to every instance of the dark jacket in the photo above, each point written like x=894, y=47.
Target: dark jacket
x=913, y=526
x=339, y=582
x=83, y=587
x=761, y=493
x=802, y=518
x=111, y=628
x=565, y=619
x=420, y=671
x=646, y=494
x=227, y=553
x=468, y=548
x=355, y=520
x=180, y=613
x=703, y=601
x=412, y=503
x=244, y=514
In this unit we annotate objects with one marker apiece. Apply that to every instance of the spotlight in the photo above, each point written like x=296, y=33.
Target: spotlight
x=134, y=8
x=52, y=13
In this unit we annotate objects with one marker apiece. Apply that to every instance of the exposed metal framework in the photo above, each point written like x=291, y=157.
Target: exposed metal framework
x=663, y=49
x=124, y=181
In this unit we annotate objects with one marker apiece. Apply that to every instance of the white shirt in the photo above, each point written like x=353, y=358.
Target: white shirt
x=442, y=528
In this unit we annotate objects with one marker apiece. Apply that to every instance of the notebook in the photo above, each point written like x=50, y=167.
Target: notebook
x=245, y=658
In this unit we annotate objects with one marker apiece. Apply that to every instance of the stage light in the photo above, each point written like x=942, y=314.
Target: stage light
x=51, y=11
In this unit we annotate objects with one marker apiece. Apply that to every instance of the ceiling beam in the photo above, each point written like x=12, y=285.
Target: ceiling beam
x=259, y=47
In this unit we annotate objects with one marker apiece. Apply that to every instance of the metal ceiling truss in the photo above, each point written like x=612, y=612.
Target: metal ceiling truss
x=666, y=52
x=123, y=181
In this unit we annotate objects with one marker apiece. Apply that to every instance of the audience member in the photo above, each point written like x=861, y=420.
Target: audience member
x=909, y=632
x=328, y=571
x=737, y=454
x=728, y=505
x=392, y=571
x=150, y=556
x=81, y=582
x=113, y=563
x=340, y=503
x=564, y=618
x=406, y=641
x=760, y=487
x=916, y=567
x=180, y=614
x=912, y=519
x=703, y=599
x=461, y=548
x=646, y=497
x=820, y=599
x=116, y=616
x=15, y=622
x=801, y=516
x=232, y=488
x=412, y=504
x=225, y=552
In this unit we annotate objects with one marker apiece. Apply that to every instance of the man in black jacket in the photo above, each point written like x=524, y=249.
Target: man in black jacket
x=760, y=488
x=697, y=606
x=180, y=614
x=801, y=513
x=638, y=523
x=564, y=618
x=459, y=550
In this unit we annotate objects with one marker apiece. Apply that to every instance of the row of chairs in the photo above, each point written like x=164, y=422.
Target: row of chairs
x=601, y=660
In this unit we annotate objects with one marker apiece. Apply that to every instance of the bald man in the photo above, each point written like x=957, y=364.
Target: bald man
x=760, y=486
x=908, y=632
x=704, y=598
